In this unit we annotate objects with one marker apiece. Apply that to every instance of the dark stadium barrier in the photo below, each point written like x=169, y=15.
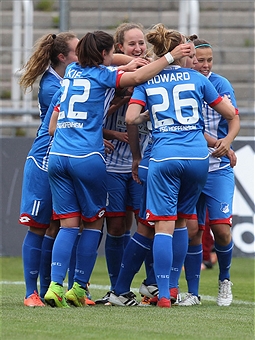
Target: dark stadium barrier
x=13, y=155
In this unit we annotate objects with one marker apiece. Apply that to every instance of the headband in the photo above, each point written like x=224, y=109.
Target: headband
x=203, y=45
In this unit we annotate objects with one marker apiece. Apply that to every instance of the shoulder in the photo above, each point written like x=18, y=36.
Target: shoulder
x=217, y=78
x=49, y=79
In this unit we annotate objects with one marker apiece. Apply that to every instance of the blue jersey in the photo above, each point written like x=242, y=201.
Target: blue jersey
x=36, y=202
x=174, y=98
x=40, y=149
x=80, y=122
x=215, y=125
x=49, y=84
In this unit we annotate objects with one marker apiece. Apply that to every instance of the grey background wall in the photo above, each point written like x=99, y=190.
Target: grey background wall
x=12, y=159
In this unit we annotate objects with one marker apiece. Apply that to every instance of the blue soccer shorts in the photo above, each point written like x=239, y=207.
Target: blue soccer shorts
x=36, y=200
x=78, y=186
x=217, y=197
x=173, y=188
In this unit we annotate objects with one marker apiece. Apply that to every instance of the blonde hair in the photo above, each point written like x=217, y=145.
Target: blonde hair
x=46, y=51
x=120, y=32
x=163, y=40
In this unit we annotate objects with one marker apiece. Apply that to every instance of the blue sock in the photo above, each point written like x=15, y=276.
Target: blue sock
x=72, y=263
x=61, y=253
x=192, y=265
x=133, y=257
x=163, y=257
x=127, y=237
x=148, y=262
x=224, y=254
x=151, y=278
x=180, y=247
x=114, y=248
x=86, y=255
x=45, y=267
x=150, y=274
x=31, y=256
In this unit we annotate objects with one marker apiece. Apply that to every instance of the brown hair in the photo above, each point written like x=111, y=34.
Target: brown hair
x=163, y=40
x=46, y=51
x=90, y=47
x=120, y=32
x=201, y=43
x=192, y=37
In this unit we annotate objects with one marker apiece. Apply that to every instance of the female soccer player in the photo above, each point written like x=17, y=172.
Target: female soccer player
x=77, y=169
x=123, y=193
x=52, y=53
x=217, y=194
x=141, y=242
x=179, y=157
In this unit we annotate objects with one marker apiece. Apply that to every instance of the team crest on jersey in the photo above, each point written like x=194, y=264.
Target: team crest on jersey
x=224, y=207
x=24, y=219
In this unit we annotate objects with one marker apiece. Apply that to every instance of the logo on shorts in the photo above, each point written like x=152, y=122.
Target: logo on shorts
x=147, y=215
x=224, y=207
x=24, y=219
x=101, y=213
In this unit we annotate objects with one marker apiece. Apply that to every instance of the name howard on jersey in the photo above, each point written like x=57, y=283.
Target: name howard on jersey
x=168, y=77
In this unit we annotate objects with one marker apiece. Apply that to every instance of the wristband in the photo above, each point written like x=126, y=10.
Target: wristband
x=169, y=58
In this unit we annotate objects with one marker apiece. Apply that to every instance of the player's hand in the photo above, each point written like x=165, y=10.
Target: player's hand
x=145, y=116
x=109, y=147
x=135, y=170
x=135, y=64
x=232, y=157
x=181, y=51
x=121, y=136
x=222, y=146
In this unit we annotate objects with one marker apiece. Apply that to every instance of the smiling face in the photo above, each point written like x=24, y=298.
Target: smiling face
x=205, y=60
x=134, y=43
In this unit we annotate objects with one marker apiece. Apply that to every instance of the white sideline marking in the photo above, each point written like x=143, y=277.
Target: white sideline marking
x=135, y=290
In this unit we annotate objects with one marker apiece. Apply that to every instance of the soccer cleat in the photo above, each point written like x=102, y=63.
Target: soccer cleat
x=154, y=300
x=174, y=295
x=76, y=296
x=87, y=292
x=225, y=296
x=124, y=300
x=164, y=303
x=89, y=302
x=148, y=290
x=104, y=300
x=55, y=296
x=145, y=301
x=190, y=300
x=33, y=300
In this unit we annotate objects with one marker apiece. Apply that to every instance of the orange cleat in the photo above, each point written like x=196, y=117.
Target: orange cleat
x=33, y=300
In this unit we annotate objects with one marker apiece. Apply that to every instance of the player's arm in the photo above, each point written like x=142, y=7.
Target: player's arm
x=134, y=115
x=112, y=134
x=133, y=136
x=148, y=71
x=225, y=108
x=53, y=121
x=223, y=145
